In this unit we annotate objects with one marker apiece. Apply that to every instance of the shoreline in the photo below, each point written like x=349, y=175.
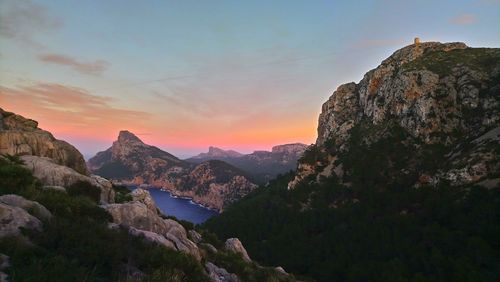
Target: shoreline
x=170, y=192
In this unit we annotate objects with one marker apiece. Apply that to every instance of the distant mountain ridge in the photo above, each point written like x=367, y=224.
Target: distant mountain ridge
x=213, y=184
x=261, y=165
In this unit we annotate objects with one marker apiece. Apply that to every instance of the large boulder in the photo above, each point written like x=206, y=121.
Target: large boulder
x=141, y=195
x=32, y=207
x=21, y=136
x=152, y=237
x=145, y=220
x=13, y=219
x=218, y=274
x=234, y=245
x=52, y=174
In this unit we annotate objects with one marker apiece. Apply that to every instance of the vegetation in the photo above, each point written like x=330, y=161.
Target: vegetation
x=442, y=63
x=85, y=189
x=77, y=245
x=122, y=194
x=378, y=227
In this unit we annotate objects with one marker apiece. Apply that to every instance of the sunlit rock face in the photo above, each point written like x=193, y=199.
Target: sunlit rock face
x=21, y=136
x=437, y=94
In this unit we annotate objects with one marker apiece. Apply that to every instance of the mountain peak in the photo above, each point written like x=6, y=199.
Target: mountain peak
x=127, y=136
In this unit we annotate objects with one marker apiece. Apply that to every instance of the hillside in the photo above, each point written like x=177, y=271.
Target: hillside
x=262, y=166
x=57, y=224
x=214, y=184
x=402, y=183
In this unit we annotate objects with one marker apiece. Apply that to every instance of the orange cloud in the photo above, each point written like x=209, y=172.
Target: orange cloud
x=464, y=19
x=70, y=111
x=95, y=67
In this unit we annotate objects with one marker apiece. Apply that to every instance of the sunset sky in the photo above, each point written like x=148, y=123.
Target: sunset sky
x=184, y=75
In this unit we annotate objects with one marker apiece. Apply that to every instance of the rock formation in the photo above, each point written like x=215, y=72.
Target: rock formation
x=215, y=184
x=234, y=245
x=142, y=216
x=218, y=274
x=33, y=207
x=21, y=136
x=53, y=174
x=437, y=94
x=54, y=162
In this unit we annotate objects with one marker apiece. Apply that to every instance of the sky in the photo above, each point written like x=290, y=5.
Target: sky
x=184, y=75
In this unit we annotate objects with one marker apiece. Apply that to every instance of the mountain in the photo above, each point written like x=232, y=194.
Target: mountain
x=402, y=183
x=261, y=165
x=212, y=184
x=129, y=158
x=215, y=153
x=79, y=227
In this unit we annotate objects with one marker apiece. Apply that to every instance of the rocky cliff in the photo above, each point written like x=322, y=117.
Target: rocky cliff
x=54, y=162
x=212, y=184
x=261, y=165
x=434, y=98
x=21, y=136
x=215, y=184
x=404, y=174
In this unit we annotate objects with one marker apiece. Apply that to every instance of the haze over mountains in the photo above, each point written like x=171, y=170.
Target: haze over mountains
x=261, y=165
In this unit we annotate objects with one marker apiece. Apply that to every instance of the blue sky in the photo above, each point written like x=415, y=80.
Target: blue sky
x=185, y=75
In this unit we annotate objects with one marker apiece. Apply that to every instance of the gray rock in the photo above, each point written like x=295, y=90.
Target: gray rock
x=141, y=217
x=21, y=136
x=218, y=274
x=14, y=218
x=194, y=236
x=143, y=196
x=234, y=245
x=34, y=208
x=52, y=174
x=209, y=247
x=152, y=237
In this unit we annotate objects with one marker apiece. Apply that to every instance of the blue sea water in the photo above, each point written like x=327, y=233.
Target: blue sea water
x=181, y=208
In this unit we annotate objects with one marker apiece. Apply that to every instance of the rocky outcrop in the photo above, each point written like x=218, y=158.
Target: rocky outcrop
x=215, y=184
x=436, y=94
x=262, y=166
x=218, y=274
x=52, y=174
x=32, y=207
x=212, y=184
x=142, y=218
x=21, y=136
x=13, y=219
x=17, y=213
x=234, y=245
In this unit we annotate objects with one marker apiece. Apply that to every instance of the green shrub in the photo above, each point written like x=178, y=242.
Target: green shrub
x=85, y=189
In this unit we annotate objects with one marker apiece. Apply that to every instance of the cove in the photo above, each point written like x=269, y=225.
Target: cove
x=181, y=208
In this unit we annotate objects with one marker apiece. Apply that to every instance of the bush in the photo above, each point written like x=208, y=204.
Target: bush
x=122, y=194
x=85, y=189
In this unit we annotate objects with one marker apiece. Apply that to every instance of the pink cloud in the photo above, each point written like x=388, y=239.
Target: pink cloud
x=95, y=67
x=66, y=110
x=464, y=19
